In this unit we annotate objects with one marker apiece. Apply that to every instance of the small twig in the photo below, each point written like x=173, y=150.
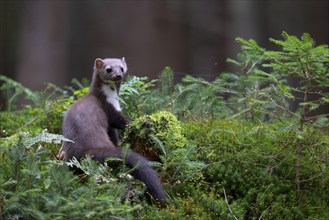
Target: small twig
x=228, y=206
x=253, y=65
x=33, y=120
x=261, y=216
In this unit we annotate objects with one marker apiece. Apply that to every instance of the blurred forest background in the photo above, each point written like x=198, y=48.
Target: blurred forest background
x=55, y=41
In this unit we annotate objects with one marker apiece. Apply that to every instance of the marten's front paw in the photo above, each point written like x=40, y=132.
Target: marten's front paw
x=126, y=122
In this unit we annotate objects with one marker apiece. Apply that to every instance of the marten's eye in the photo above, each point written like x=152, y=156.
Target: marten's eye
x=108, y=70
x=121, y=68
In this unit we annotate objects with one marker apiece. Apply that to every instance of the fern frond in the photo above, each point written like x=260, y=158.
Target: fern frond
x=16, y=89
x=44, y=136
x=158, y=143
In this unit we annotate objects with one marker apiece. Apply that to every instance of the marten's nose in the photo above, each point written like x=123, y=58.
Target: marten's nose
x=118, y=76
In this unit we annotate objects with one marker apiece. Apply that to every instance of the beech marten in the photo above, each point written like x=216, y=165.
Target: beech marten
x=92, y=121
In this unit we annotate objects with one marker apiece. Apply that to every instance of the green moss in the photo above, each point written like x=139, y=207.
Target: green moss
x=256, y=164
x=160, y=132
x=29, y=119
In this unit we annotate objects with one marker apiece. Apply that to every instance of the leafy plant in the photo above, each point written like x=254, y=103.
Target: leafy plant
x=13, y=89
x=33, y=186
x=309, y=65
x=135, y=97
x=262, y=80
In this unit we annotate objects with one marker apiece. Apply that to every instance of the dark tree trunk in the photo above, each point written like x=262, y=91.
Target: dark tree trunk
x=42, y=55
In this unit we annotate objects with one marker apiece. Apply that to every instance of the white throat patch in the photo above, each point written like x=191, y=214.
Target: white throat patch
x=110, y=91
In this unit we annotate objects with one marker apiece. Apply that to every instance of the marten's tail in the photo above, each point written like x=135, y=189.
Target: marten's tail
x=144, y=172
x=141, y=168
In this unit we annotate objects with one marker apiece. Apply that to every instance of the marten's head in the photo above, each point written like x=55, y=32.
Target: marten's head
x=110, y=69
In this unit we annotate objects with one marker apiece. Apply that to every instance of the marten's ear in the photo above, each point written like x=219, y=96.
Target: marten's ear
x=123, y=60
x=99, y=63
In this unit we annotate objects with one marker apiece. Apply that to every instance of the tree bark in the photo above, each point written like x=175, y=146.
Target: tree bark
x=43, y=44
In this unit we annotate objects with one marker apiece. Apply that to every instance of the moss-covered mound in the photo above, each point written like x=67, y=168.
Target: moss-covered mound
x=154, y=135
